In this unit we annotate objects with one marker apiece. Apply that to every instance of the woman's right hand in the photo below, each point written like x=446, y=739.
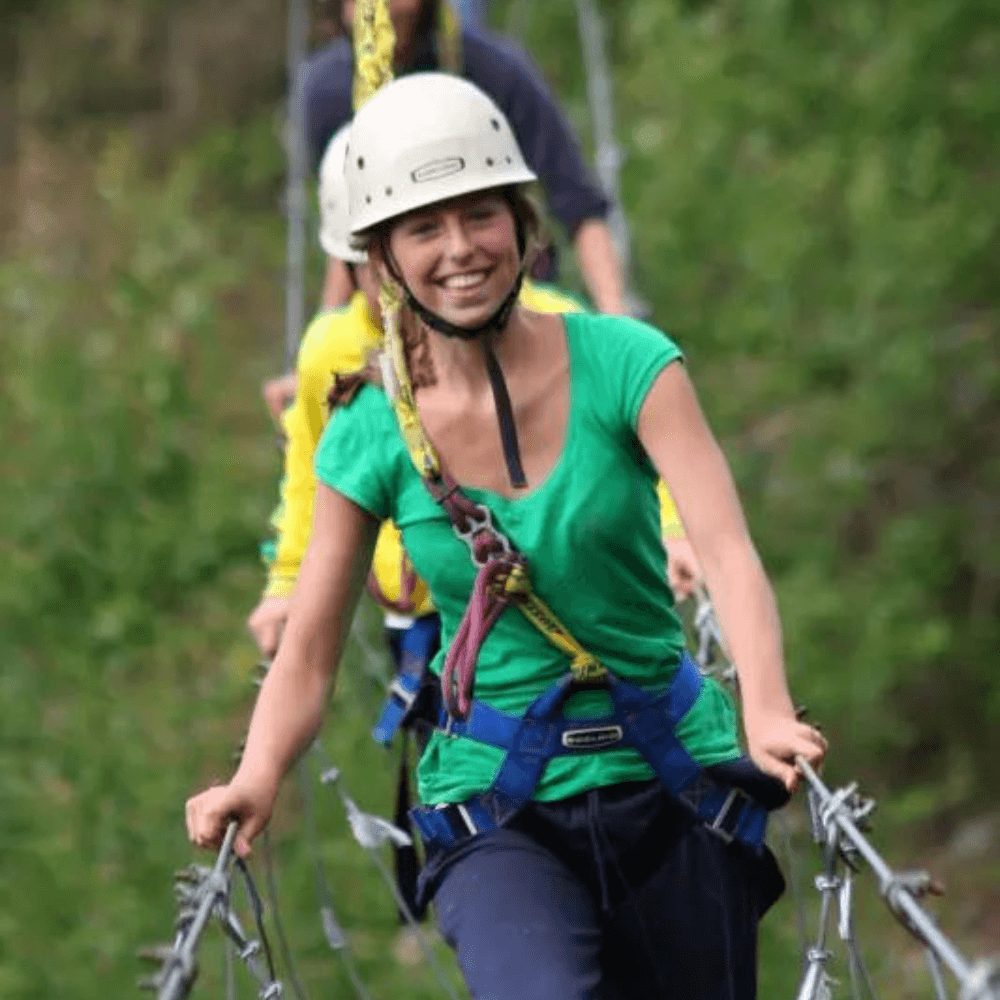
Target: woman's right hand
x=209, y=813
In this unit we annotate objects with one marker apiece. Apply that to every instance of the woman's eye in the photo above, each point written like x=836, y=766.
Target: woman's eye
x=482, y=213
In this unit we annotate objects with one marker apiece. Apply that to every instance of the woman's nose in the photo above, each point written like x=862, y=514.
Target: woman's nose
x=459, y=245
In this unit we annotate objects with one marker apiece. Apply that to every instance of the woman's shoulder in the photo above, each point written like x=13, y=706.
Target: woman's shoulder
x=618, y=340
x=360, y=447
x=361, y=421
x=616, y=359
x=360, y=439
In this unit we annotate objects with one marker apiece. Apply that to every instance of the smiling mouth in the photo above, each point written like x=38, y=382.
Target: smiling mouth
x=464, y=282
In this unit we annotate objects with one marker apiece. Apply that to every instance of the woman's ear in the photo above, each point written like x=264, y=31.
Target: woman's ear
x=377, y=259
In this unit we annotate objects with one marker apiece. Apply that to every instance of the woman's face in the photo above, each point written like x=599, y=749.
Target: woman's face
x=459, y=257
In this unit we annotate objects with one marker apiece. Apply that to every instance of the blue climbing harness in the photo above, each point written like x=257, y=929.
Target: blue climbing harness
x=643, y=720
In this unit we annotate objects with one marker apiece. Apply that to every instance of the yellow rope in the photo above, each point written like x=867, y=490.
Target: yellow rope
x=400, y=387
x=374, y=48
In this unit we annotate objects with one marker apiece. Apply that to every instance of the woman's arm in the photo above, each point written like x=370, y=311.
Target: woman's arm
x=290, y=706
x=675, y=435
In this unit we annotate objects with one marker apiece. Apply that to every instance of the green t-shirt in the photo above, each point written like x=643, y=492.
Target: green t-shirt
x=590, y=532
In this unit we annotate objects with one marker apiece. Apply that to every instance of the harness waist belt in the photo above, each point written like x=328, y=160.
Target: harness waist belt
x=645, y=721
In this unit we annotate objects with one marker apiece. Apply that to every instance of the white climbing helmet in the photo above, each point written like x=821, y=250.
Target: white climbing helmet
x=424, y=138
x=334, y=215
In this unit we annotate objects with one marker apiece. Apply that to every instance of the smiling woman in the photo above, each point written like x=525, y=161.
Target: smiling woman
x=584, y=794
x=462, y=256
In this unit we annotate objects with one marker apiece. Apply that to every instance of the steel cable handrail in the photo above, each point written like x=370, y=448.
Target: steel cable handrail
x=837, y=820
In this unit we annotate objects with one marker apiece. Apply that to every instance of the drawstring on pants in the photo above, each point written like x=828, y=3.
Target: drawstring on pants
x=595, y=828
x=604, y=851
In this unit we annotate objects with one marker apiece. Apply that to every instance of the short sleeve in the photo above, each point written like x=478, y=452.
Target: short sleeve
x=626, y=356
x=355, y=453
x=653, y=351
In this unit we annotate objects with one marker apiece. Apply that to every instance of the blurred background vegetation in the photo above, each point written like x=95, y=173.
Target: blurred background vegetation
x=815, y=202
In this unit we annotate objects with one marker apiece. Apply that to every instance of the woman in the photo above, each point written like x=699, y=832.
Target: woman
x=592, y=828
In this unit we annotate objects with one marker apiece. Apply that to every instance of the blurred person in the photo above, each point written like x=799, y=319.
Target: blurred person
x=428, y=37
x=586, y=803
x=683, y=569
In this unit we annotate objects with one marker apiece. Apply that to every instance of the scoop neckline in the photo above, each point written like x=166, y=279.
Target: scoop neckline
x=569, y=435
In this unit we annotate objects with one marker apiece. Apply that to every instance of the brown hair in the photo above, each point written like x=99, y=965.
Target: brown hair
x=524, y=203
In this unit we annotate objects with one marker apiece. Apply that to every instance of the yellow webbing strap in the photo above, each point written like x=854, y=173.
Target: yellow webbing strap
x=585, y=666
x=374, y=48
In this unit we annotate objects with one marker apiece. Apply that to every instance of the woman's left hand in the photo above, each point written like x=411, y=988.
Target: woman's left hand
x=775, y=739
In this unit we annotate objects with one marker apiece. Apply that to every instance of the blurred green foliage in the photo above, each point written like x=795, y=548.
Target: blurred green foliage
x=815, y=218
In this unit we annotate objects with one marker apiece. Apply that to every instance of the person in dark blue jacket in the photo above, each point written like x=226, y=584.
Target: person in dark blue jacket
x=507, y=74
x=472, y=12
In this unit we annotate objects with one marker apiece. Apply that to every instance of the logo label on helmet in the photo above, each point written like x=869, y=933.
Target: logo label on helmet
x=436, y=169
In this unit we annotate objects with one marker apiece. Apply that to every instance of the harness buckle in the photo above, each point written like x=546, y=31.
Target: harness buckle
x=592, y=737
x=397, y=690
x=456, y=814
x=727, y=818
x=466, y=819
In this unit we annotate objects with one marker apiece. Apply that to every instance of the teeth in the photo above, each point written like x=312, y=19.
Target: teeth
x=469, y=280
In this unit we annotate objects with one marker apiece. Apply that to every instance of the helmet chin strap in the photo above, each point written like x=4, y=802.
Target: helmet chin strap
x=494, y=324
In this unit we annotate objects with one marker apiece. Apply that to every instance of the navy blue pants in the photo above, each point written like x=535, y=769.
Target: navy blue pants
x=610, y=895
